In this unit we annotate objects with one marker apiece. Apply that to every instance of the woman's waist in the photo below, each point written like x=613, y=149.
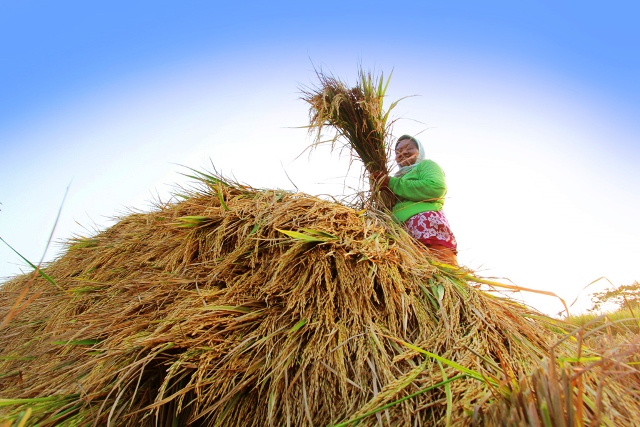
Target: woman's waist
x=406, y=209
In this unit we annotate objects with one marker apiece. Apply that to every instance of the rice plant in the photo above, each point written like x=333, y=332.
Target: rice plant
x=357, y=118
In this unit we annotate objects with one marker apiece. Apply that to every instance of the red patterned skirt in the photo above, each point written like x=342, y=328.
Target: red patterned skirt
x=432, y=229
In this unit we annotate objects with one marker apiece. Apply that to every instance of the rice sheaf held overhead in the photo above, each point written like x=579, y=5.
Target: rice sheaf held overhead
x=236, y=306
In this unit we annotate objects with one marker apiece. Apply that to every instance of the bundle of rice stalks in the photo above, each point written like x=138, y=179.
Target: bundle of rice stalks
x=357, y=116
x=244, y=307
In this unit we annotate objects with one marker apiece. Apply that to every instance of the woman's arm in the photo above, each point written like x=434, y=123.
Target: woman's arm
x=424, y=183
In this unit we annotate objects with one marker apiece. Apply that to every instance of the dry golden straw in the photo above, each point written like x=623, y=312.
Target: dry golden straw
x=357, y=117
x=244, y=307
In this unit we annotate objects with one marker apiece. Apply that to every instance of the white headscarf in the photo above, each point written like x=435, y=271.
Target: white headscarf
x=421, y=156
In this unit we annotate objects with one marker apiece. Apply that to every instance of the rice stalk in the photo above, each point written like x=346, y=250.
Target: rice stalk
x=358, y=118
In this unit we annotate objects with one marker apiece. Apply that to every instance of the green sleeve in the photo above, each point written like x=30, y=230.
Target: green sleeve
x=425, y=182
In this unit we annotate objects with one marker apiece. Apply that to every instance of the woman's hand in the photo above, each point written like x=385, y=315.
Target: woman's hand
x=381, y=178
x=380, y=182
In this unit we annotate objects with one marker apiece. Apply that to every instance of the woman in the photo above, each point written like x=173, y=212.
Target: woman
x=420, y=187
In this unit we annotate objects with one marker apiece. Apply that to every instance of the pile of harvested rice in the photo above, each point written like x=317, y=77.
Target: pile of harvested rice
x=244, y=307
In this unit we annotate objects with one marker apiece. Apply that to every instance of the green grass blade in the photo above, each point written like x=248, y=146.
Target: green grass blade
x=319, y=233
x=12, y=402
x=296, y=235
x=42, y=273
x=312, y=236
x=205, y=177
x=24, y=417
x=298, y=325
x=222, y=203
x=10, y=374
x=191, y=221
x=256, y=227
x=395, y=402
x=447, y=391
x=469, y=372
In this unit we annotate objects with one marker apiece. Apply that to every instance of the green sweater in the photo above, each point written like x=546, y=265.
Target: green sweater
x=421, y=189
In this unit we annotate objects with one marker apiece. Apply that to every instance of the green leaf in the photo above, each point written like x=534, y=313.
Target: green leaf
x=193, y=221
x=320, y=233
x=24, y=416
x=17, y=357
x=10, y=374
x=222, y=203
x=256, y=227
x=318, y=236
x=447, y=391
x=205, y=177
x=84, y=243
x=10, y=402
x=467, y=371
x=298, y=325
x=38, y=269
x=86, y=289
x=580, y=359
x=390, y=404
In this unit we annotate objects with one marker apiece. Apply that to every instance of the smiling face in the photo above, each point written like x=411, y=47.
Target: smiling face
x=406, y=152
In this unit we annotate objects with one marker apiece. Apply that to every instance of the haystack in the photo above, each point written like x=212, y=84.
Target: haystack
x=245, y=307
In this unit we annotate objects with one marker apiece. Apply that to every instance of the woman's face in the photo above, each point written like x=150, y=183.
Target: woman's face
x=406, y=153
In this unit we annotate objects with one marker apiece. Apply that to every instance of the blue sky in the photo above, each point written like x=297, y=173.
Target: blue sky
x=531, y=107
x=52, y=50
